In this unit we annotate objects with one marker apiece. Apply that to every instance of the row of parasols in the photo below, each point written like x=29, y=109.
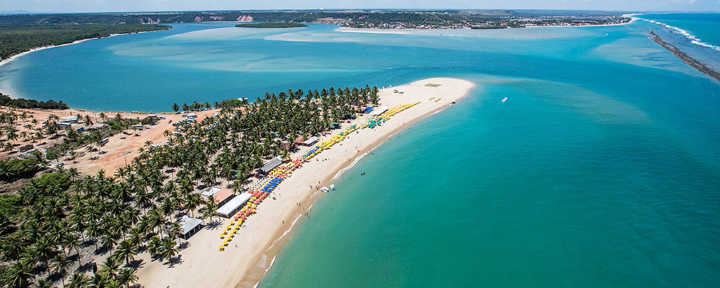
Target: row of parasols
x=277, y=175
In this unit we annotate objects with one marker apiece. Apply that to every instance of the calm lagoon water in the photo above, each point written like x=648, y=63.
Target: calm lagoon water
x=601, y=170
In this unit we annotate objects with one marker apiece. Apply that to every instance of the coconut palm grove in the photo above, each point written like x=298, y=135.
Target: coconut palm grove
x=95, y=225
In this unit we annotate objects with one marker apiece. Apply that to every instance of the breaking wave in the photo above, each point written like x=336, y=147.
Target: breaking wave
x=692, y=38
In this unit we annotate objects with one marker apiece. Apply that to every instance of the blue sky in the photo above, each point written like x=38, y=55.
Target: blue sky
x=163, y=5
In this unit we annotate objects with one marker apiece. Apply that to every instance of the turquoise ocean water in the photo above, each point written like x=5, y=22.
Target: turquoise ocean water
x=601, y=170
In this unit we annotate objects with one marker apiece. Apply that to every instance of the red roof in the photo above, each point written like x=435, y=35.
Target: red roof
x=222, y=195
x=300, y=139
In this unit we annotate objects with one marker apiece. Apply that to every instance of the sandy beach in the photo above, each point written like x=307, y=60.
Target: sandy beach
x=251, y=254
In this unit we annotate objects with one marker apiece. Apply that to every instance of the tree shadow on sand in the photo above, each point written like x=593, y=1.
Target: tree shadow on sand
x=136, y=264
x=174, y=261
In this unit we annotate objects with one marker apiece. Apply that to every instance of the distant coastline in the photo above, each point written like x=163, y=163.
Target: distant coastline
x=271, y=25
x=13, y=57
x=410, y=30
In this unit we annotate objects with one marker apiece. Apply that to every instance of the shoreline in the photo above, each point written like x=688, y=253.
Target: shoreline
x=12, y=58
x=249, y=257
x=412, y=30
x=5, y=61
x=283, y=233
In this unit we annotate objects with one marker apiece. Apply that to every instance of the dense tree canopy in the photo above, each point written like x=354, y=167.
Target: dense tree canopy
x=30, y=103
x=61, y=215
x=14, y=169
x=15, y=39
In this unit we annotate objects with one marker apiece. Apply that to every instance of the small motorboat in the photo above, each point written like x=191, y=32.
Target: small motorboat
x=362, y=173
x=504, y=100
x=324, y=189
x=332, y=187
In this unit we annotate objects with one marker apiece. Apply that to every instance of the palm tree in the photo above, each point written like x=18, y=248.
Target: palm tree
x=11, y=133
x=60, y=263
x=125, y=250
x=209, y=210
x=109, y=239
x=168, y=249
x=73, y=172
x=42, y=283
x=99, y=280
x=176, y=107
x=110, y=268
x=43, y=248
x=127, y=277
x=154, y=245
x=19, y=275
x=192, y=202
x=79, y=280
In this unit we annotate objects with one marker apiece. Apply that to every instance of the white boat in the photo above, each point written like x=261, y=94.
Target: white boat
x=504, y=99
x=332, y=187
x=324, y=189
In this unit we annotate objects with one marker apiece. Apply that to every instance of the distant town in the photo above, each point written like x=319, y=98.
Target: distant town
x=464, y=20
x=377, y=19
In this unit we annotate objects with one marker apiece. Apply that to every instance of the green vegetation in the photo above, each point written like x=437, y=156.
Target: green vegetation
x=29, y=103
x=60, y=215
x=271, y=25
x=14, y=169
x=10, y=207
x=195, y=106
x=15, y=39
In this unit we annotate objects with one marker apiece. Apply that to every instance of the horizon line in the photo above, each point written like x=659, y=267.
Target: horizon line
x=29, y=12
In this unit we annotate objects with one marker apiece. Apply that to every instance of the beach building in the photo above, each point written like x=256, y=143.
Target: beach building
x=310, y=141
x=233, y=205
x=189, y=226
x=210, y=192
x=97, y=126
x=67, y=120
x=26, y=147
x=269, y=165
x=379, y=111
x=299, y=140
x=190, y=116
x=222, y=196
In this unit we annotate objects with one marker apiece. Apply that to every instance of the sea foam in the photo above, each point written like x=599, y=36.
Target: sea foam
x=692, y=38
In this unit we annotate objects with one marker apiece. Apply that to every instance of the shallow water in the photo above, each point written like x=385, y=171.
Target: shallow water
x=212, y=62
x=557, y=187
x=601, y=170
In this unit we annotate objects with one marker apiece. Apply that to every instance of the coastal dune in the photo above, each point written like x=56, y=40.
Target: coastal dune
x=251, y=254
